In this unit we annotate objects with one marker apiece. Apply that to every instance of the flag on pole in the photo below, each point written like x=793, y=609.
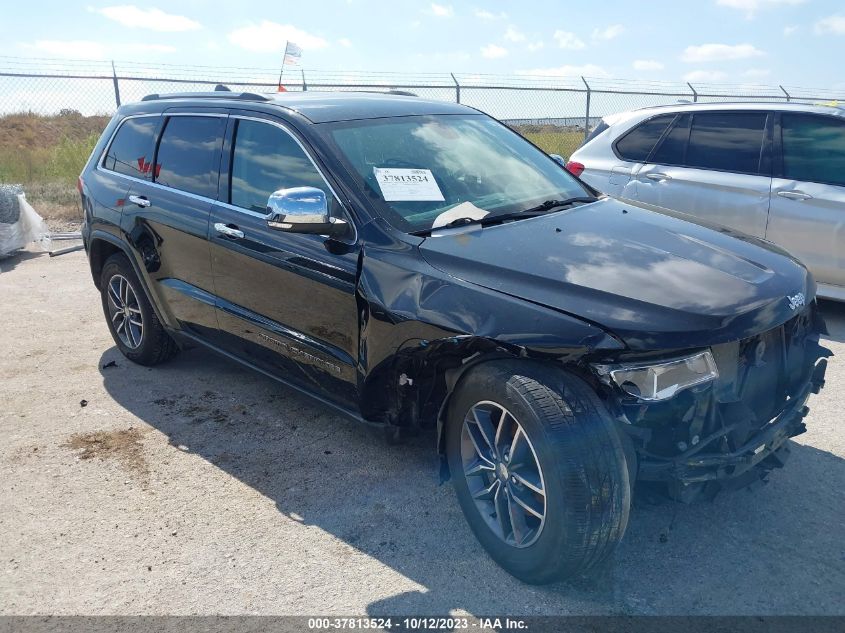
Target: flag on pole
x=293, y=54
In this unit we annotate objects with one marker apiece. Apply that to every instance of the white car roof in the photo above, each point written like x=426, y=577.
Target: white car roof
x=819, y=108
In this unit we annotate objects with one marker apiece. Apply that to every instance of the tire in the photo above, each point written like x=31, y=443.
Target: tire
x=136, y=331
x=581, y=469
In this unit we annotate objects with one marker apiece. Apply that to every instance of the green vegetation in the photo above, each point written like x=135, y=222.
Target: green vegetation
x=553, y=139
x=45, y=154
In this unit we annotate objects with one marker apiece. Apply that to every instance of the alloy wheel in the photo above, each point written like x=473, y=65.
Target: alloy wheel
x=125, y=312
x=503, y=474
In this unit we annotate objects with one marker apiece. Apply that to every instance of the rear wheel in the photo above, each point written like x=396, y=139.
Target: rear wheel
x=133, y=324
x=538, y=469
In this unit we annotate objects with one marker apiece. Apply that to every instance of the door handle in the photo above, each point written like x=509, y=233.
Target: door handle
x=656, y=175
x=795, y=195
x=229, y=230
x=141, y=201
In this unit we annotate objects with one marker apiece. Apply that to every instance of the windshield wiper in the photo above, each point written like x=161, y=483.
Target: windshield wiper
x=531, y=212
x=449, y=225
x=548, y=205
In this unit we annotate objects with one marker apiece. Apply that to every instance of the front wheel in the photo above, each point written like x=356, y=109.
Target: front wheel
x=538, y=469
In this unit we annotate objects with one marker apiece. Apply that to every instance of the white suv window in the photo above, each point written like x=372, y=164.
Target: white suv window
x=726, y=141
x=813, y=148
x=637, y=144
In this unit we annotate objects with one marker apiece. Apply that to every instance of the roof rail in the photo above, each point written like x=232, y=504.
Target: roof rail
x=239, y=96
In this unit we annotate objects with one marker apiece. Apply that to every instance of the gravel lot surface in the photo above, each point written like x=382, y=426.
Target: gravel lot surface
x=203, y=488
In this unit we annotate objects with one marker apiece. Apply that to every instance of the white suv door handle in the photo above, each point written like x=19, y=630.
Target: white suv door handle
x=656, y=175
x=795, y=195
x=141, y=201
x=228, y=231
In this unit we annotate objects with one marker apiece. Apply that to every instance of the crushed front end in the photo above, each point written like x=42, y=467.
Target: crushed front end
x=728, y=425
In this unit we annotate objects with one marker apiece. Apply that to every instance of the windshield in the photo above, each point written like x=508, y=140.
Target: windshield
x=427, y=171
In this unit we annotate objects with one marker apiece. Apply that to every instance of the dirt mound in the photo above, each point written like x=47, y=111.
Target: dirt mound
x=28, y=130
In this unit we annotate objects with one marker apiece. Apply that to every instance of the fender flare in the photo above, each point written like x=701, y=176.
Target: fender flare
x=104, y=236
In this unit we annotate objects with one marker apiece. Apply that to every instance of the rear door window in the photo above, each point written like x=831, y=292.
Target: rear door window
x=727, y=141
x=813, y=148
x=131, y=150
x=637, y=144
x=188, y=157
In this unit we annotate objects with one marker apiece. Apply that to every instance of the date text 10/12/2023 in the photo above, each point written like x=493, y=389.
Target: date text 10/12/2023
x=418, y=623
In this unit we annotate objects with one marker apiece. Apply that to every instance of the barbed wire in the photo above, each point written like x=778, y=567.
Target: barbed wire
x=159, y=71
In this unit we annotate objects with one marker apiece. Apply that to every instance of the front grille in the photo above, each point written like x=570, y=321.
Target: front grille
x=760, y=372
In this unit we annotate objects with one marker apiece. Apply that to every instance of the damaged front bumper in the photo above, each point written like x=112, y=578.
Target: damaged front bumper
x=730, y=433
x=700, y=464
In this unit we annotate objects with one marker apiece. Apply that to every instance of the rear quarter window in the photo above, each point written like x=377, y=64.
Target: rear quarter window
x=637, y=144
x=131, y=150
x=672, y=149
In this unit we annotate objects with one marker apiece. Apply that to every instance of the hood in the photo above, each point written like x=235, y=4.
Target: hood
x=655, y=281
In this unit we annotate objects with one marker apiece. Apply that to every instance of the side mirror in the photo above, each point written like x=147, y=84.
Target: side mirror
x=303, y=210
x=560, y=160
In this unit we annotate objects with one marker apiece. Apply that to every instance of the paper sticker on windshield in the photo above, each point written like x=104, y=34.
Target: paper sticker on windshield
x=404, y=185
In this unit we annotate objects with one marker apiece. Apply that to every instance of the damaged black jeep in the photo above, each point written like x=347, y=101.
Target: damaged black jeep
x=416, y=264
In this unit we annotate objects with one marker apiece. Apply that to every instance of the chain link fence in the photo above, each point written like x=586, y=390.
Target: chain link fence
x=52, y=111
x=557, y=109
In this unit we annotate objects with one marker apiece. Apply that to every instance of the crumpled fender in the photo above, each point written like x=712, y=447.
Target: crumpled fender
x=422, y=323
x=404, y=302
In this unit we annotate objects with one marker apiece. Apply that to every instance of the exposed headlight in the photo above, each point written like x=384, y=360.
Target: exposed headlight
x=660, y=381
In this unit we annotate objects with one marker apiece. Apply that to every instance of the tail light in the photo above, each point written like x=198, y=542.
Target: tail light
x=576, y=169
x=79, y=184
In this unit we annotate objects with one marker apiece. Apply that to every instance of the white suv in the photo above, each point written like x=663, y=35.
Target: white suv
x=775, y=171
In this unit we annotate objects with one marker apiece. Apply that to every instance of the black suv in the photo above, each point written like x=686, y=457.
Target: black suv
x=417, y=264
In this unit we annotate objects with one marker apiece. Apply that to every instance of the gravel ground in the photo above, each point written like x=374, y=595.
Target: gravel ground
x=203, y=488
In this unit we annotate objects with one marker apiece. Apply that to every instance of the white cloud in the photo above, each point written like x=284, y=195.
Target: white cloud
x=81, y=49
x=647, y=64
x=719, y=52
x=789, y=30
x=442, y=10
x=834, y=24
x=269, y=37
x=587, y=70
x=491, y=51
x=565, y=39
x=757, y=73
x=535, y=46
x=345, y=42
x=612, y=31
x=487, y=15
x=514, y=35
x=151, y=18
x=705, y=76
x=752, y=6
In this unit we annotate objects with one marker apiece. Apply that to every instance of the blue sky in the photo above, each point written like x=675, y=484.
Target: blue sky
x=793, y=42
